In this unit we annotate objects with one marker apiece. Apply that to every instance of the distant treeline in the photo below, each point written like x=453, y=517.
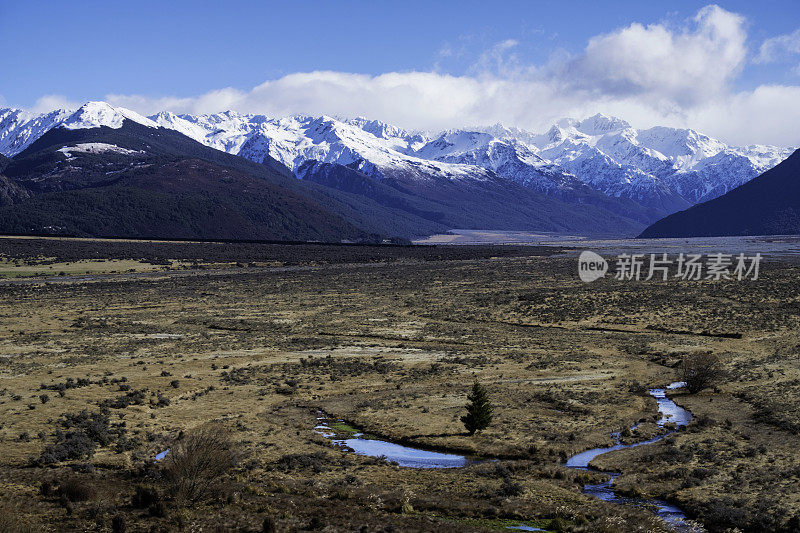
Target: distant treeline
x=68, y=249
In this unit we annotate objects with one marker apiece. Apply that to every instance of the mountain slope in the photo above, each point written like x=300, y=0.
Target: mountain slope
x=108, y=182
x=157, y=203
x=766, y=205
x=71, y=176
x=662, y=169
x=388, y=153
x=18, y=129
x=117, y=173
x=518, y=162
x=510, y=158
x=456, y=194
x=489, y=203
x=295, y=140
x=352, y=181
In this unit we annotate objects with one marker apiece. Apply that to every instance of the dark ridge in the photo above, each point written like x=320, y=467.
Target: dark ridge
x=261, y=192
x=766, y=205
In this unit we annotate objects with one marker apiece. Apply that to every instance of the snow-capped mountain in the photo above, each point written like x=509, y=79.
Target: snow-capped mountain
x=96, y=114
x=615, y=158
x=766, y=205
x=107, y=171
x=509, y=158
x=663, y=169
x=18, y=129
x=376, y=149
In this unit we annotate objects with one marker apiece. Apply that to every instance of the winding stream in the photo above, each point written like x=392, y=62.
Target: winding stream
x=362, y=444
x=347, y=437
x=671, y=413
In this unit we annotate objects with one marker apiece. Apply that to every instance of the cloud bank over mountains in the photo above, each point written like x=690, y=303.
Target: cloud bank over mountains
x=679, y=75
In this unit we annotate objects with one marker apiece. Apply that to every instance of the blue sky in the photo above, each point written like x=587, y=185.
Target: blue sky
x=201, y=56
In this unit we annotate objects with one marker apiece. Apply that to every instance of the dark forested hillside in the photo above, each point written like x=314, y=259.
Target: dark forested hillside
x=142, y=181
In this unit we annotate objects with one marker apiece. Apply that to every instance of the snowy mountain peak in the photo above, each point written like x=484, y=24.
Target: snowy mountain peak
x=555, y=134
x=379, y=129
x=462, y=140
x=510, y=133
x=603, y=152
x=680, y=142
x=96, y=114
x=600, y=124
x=18, y=129
x=166, y=116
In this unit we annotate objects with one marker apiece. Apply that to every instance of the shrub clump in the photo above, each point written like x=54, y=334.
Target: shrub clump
x=316, y=462
x=198, y=462
x=75, y=489
x=78, y=436
x=701, y=371
x=134, y=397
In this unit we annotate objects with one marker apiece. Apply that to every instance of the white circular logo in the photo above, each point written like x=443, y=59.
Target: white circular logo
x=591, y=266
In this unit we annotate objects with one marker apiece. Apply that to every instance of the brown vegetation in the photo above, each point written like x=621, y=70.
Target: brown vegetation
x=198, y=461
x=700, y=371
x=392, y=347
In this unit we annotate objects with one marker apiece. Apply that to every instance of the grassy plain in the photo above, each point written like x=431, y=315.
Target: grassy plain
x=391, y=341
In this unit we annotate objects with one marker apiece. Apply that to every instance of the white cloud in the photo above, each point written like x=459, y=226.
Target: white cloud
x=656, y=74
x=50, y=102
x=445, y=51
x=778, y=48
x=767, y=115
x=688, y=65
x=498, y=60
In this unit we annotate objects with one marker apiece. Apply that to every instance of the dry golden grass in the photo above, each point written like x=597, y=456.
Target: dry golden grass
x=394, y=348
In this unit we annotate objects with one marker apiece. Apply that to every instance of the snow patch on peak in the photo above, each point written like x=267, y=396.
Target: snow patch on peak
x=453, y=143
x=96, y=148
x=510, y=133
x=97, y=114
x=166, y=116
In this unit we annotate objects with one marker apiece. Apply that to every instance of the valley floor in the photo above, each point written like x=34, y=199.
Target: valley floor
x=262, y=342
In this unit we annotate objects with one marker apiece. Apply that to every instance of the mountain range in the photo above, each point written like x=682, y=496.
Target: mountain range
x=595, y=176
x=665, y=169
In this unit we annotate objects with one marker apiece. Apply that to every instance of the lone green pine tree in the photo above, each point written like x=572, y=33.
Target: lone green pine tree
x=479, y=410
